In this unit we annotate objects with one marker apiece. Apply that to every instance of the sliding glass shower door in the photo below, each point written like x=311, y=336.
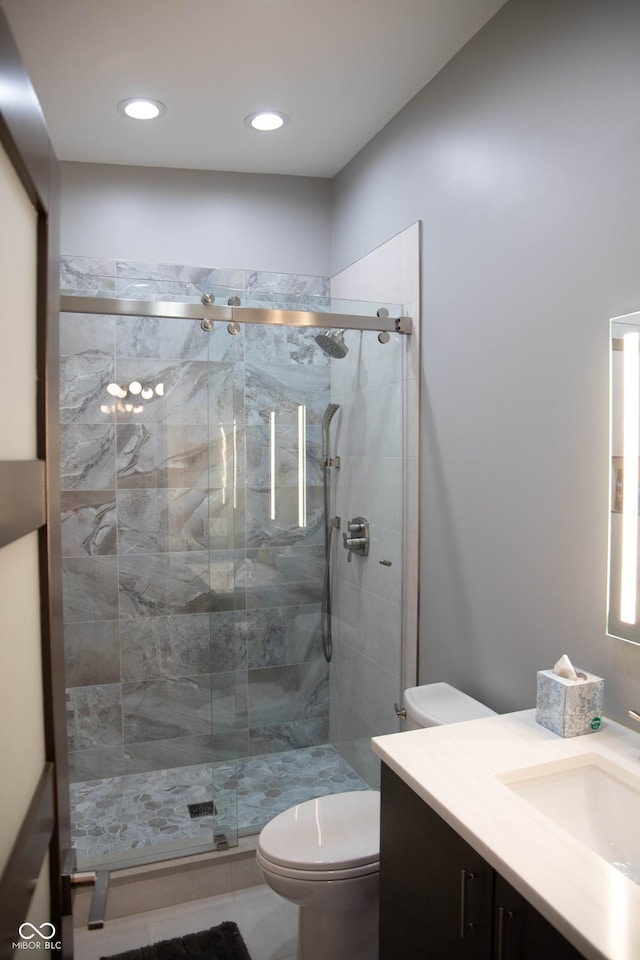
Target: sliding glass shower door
x=196, y=498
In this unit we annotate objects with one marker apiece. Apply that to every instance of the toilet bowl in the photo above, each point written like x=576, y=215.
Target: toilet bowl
x=323, y=855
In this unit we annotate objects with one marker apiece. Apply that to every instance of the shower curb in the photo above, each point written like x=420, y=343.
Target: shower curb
x=134, y=890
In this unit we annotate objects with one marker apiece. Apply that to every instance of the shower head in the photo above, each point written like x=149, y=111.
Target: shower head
x=333, y=344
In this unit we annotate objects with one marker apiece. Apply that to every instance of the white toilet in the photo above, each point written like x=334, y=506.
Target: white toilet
x=324, y=854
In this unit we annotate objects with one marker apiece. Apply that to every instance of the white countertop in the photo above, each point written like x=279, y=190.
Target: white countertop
x=456, y=769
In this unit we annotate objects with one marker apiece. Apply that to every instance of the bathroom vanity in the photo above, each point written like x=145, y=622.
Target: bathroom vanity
x=490, y=833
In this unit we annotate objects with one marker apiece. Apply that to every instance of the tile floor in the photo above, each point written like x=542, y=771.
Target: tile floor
x=120, y=814
x=266, y=921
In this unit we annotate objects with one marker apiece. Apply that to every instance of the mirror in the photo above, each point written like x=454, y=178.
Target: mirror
x=623, y=613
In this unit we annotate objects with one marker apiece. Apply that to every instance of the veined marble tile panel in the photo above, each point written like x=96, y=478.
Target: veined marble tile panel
x=175, y=752
x=224, y=347
x=88, y=456
x=163, y=455
x=169, y=519
x=164, y=584
x=229, y=701
x=275, y=737
x=90, y=589
x=284, y=528
x=186, y=273
x=296, y=561
x=88, y=522
x=92, y=653
x=83, y=389
x=154, y=647
x=228, y=632
x=283, y=387
x=161, y=338
x=258, y=283
x=368, y=688
x=87, y=335
x=283, y=694
x=184, y=385
x=226, y=395
x=87, y=276
x=271, y=584
x=94, y=716
x=164, y=709
x=231, y=744
x=96, y=763
x=283, y=635
x=286, y=455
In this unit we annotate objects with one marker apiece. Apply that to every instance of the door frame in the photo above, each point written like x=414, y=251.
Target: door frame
x=30, y=501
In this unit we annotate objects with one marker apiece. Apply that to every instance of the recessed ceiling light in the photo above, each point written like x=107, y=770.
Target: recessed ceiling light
x=141, y=108
x=267, y=120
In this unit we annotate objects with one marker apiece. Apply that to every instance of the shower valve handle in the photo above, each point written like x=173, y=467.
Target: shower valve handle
x=357, y=544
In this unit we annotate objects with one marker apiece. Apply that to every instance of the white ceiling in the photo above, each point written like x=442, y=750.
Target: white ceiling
x=340, y=69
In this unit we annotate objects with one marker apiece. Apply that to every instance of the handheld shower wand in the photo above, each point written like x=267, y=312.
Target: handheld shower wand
x=329, y=524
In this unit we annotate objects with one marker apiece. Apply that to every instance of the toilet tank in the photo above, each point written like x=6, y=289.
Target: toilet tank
x=434, y=704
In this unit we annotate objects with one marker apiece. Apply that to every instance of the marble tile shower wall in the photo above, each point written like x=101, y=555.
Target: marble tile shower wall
x=191, y=617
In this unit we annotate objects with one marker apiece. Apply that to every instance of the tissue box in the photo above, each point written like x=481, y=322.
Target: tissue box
x=568, y=707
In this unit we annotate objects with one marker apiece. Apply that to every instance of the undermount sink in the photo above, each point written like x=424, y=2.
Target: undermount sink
x=593, y=799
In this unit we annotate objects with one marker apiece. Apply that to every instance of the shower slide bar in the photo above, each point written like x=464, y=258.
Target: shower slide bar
x=199, y=311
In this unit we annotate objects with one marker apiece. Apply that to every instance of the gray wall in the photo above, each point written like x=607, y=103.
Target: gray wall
x=521, y=158
x=235, y=220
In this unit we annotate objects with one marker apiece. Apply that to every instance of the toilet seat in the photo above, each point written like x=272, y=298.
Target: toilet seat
x=348, y=873
x=337, y=836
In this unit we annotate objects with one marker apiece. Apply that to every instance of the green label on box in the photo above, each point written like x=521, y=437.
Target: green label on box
x=595, y=723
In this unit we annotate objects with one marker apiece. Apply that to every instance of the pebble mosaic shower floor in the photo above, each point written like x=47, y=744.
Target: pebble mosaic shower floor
x=122, y=814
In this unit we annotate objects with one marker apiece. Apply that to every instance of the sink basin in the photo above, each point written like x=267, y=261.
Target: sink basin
x=593, y=799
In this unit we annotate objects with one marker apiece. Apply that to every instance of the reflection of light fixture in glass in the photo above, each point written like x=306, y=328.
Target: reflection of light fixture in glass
x=146, y=393
x=272, y=465
x=115, y=390
x=302, y=466
x=630, y=455
x=160, y=390
x=135, y=387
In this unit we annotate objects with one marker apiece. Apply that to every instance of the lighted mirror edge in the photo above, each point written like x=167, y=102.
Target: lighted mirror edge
x=614, y=626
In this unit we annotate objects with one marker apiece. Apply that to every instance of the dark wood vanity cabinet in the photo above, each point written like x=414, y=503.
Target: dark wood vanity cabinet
x=440, y=900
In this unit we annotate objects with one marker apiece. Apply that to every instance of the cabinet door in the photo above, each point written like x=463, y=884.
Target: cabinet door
x=521, y=933
x=435, y=890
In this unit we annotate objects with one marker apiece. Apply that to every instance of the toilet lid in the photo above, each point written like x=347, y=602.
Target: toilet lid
x=438, y=703
x=333, y=832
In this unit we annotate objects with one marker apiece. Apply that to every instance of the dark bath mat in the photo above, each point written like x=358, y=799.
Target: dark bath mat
x=223, y=942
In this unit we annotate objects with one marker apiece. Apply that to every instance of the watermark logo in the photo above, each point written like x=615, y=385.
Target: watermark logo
x=37, y=938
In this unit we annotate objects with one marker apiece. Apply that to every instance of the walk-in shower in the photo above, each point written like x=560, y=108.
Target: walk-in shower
x=195, y=549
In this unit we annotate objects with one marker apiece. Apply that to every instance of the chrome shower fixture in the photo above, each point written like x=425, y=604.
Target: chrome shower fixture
x=206, y=324
x=233, y=328
x=333, y=344
x=207, y=298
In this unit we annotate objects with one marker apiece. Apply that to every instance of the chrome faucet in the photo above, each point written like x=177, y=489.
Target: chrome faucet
x=634, y=714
